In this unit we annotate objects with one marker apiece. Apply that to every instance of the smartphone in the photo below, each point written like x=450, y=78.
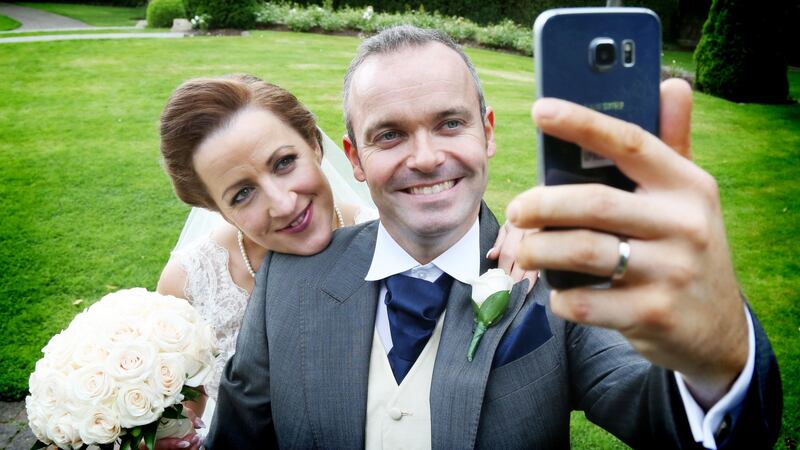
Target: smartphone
x=608, y=59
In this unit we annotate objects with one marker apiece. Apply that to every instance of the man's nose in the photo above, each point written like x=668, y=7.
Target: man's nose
x=426, y=157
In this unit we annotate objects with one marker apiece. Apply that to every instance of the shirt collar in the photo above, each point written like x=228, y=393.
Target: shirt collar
x=461, y=261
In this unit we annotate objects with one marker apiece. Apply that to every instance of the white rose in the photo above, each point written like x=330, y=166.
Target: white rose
x=37, y=419
x=494, y=280
x=169, y=376
x=138, y=404
x=63, y=431
x=49, y=388
x=100, y=426
x=198, y=368
x=89, y=352
x=58, y=351
x=172, y=333
x=123, y=329
x=91, y=385
x=132, y=362
x=173, y=428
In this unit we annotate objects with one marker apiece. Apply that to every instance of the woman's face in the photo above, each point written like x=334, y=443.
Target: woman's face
x=267, y=181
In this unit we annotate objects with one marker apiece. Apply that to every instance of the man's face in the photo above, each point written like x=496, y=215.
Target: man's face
x=422, y=146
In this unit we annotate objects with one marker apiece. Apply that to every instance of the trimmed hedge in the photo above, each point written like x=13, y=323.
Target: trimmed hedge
x=740, y=55
x=523, y=12
x=239, y=14
x=160, y=13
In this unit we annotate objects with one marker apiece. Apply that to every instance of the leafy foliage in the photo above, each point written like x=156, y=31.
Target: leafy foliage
x=161, y=13
x=740, y=56
x=239, y=14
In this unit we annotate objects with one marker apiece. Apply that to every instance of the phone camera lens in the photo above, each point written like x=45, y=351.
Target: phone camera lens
x=602, y=53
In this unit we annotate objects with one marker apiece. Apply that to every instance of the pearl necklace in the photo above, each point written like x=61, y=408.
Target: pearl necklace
x=240, y=238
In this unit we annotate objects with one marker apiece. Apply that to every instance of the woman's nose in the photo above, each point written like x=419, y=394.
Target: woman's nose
x=280, y=200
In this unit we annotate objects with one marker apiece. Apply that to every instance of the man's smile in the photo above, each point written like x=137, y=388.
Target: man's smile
x=431, y=189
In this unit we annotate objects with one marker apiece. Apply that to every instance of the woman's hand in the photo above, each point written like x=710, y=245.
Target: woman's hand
x=191, y=441
x=505, y=251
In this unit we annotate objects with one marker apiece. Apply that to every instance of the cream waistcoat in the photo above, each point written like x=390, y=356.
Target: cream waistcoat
x=399, y=417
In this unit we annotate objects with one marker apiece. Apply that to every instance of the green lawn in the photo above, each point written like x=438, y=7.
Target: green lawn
x=86, y=208
x=7, y=23
x=99, y=16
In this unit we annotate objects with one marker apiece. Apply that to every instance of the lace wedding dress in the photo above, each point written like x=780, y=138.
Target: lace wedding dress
x=209, y=285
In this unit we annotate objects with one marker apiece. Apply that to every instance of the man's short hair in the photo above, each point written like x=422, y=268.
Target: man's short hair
x=398, y=38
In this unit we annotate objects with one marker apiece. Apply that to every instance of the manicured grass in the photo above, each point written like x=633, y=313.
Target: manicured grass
x=7, y=23
x=86, y=208
x=84, y=31
x=100, y=16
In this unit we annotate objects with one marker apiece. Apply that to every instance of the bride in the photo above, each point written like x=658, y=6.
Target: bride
x=248, y=156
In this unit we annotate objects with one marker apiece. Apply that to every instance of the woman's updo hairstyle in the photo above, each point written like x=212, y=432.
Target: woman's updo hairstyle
x=201, y=106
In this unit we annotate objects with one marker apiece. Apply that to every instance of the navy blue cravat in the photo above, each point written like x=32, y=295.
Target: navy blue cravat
x=414, y=305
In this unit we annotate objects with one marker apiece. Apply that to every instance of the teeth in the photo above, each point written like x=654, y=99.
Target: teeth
x=297, y=221
x=435, y=189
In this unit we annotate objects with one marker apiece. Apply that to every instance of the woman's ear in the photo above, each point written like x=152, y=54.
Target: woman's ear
x=318, y=151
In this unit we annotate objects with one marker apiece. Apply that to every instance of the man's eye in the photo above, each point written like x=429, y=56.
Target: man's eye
x=452, y=124
x=285, y=163
x=242, y=195
x=388, y=136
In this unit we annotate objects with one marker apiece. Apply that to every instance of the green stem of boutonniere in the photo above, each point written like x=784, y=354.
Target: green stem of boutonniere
x=487, y=315
x=476, y=339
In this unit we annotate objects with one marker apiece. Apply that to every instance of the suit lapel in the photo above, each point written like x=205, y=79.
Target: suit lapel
x=458, y=385
x=338, y=325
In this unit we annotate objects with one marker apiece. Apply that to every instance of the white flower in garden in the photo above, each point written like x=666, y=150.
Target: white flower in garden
x=100, y=425
x=132, y=362
x=170, y=375
x=89, y=352
x=138, y=405
x=91, y=384
x=173, y=428
x=50, y=388
x=59, y=350
x=368, y=13
x=494, y=280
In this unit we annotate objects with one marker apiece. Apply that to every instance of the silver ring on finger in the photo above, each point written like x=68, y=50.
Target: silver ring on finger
x=624, y=249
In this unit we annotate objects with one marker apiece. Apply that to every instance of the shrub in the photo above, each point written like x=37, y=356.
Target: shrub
x=739, y=55
x=240, y=14
x=160, y=13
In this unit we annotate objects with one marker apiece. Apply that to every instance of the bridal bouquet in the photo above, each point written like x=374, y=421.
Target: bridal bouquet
x=118, y=373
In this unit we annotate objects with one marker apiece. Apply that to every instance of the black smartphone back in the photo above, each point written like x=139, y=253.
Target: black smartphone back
x=608, y=59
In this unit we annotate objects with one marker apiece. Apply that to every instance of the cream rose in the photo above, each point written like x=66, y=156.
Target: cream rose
x=169, y=376
x=138, y=405
x=131, y=362
x=100, y=425
x=37, y=419
x=494, y=280
x=172, y=333
x=89, y=352
x=91, y=385
x=62, y=431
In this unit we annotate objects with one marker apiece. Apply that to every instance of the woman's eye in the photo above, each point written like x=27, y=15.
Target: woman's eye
x=285, y=163
x=242, y=195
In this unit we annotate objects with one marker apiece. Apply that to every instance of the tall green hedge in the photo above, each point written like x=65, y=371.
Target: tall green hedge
x=239, y=14
x=740, y=55
x=522, y=12
x=161, y=13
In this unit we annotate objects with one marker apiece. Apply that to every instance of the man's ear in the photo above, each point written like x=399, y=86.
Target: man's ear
x=488, y=131
x=352, y=154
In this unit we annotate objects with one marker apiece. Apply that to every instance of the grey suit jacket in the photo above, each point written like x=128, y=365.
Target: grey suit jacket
x=300, y=372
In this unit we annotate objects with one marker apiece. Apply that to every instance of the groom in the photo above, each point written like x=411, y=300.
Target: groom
x=365, y=343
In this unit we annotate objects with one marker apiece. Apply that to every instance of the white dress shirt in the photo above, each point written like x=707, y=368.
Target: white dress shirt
x=462, y=262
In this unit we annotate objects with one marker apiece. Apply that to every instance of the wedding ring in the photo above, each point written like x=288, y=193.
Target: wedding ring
x=624, y=255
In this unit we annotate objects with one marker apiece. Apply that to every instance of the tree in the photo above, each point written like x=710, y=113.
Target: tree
x=741, y=56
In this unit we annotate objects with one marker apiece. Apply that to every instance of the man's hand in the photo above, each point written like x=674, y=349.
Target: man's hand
x=505, y=250
x=678, y=303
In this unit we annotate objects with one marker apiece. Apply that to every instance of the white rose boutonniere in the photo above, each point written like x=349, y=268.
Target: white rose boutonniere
x=490, y=293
